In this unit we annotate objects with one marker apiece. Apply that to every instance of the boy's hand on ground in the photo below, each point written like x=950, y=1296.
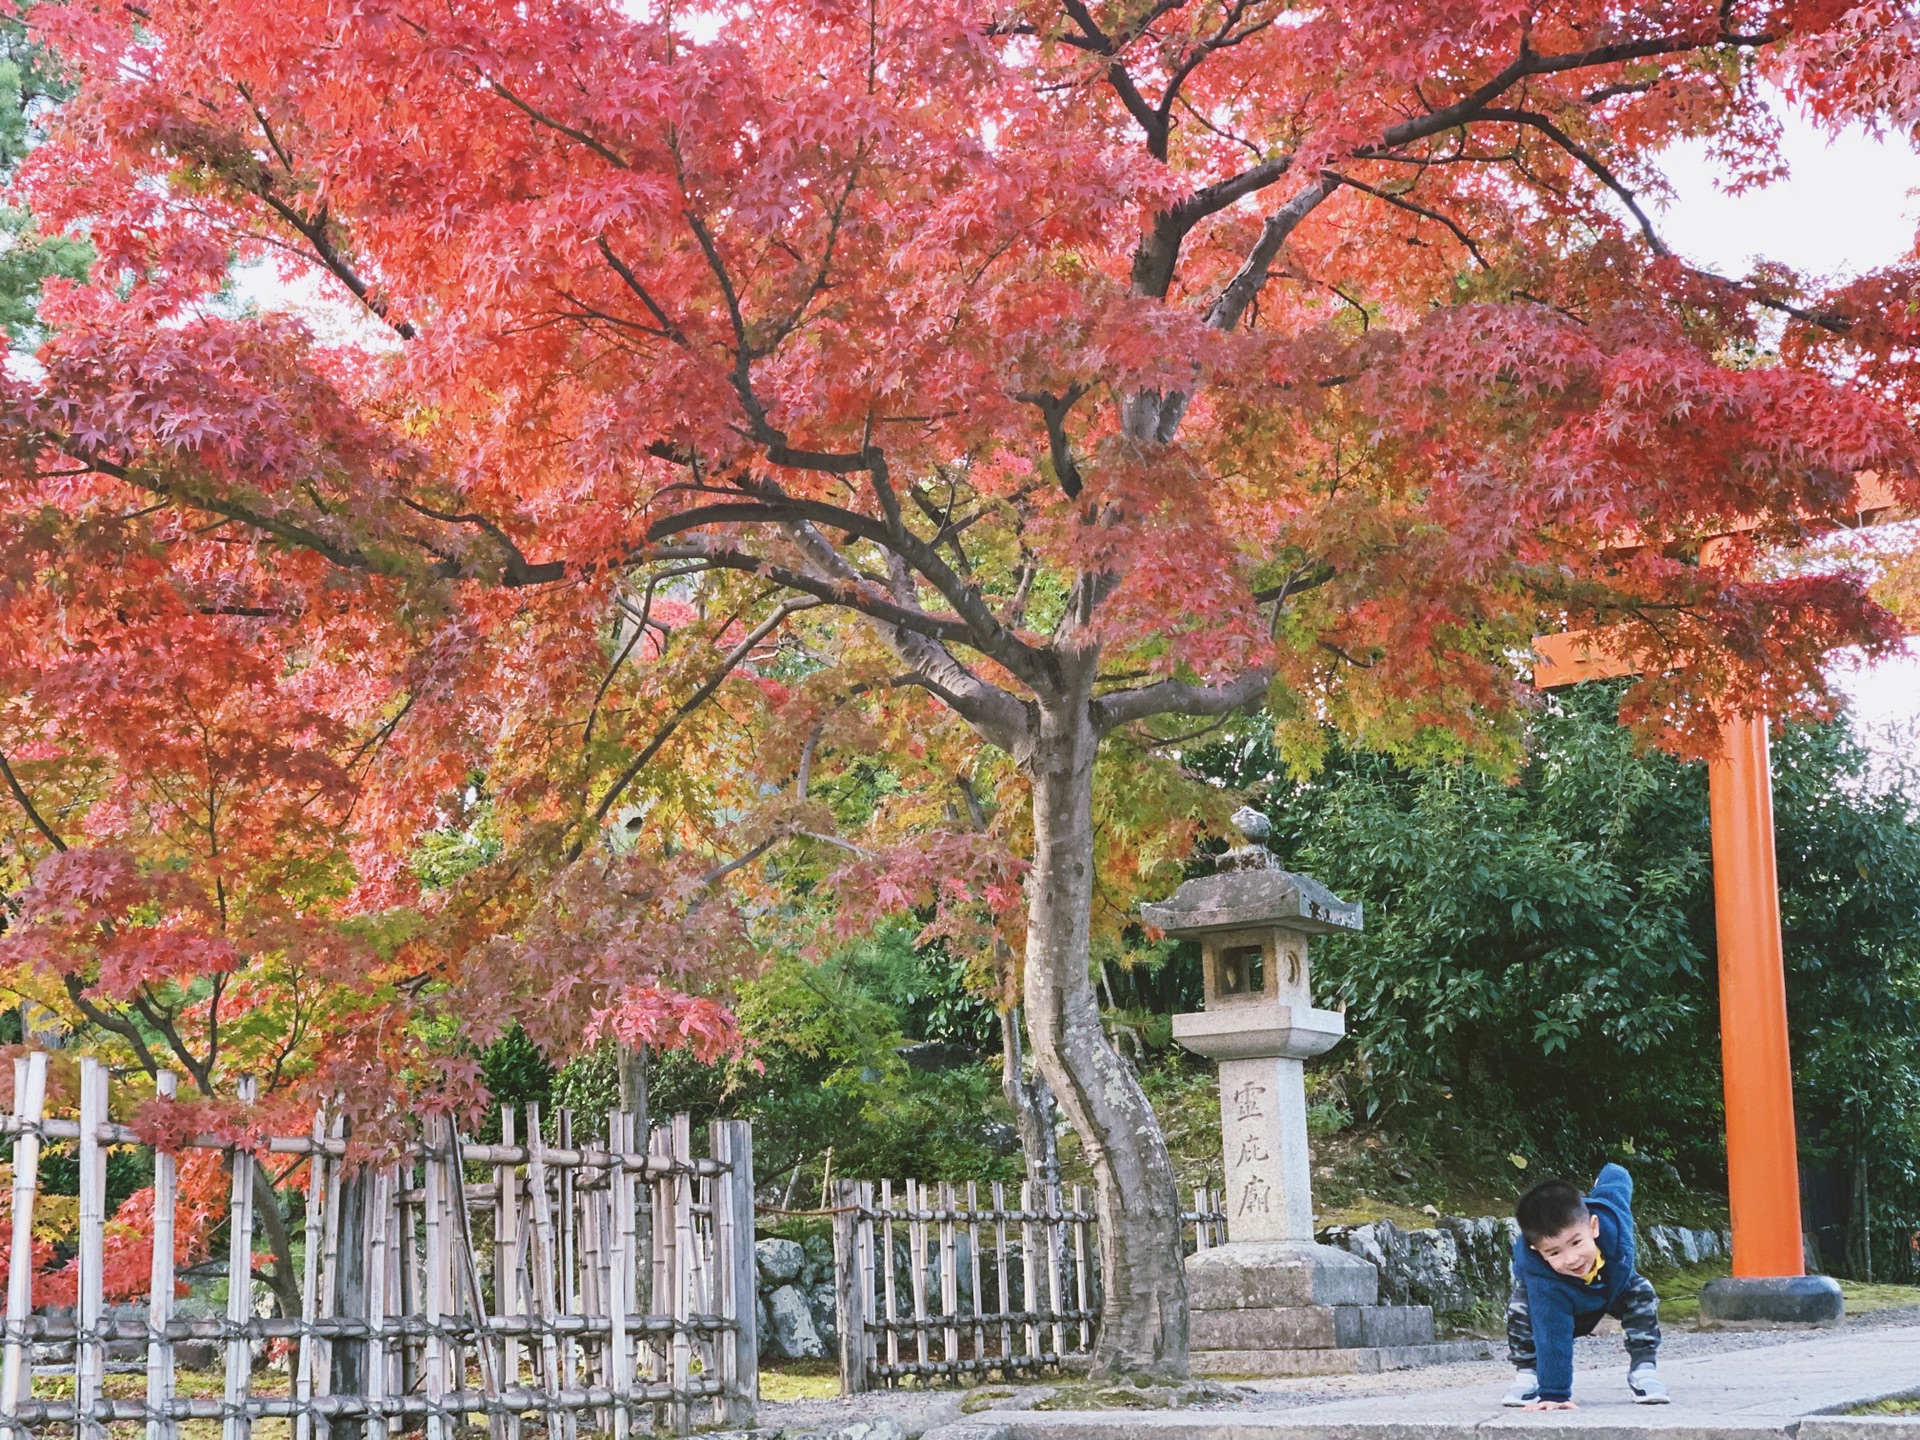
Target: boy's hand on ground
x=1551, y=1405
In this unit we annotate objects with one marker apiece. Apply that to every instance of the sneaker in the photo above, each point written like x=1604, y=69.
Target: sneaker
x=1526, y=1390
x=1645, y=1383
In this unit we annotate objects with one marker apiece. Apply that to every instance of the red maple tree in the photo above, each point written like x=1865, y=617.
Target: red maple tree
x=1110, y=364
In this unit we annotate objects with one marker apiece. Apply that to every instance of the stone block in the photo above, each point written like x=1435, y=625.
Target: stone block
x=1288, y=1327
x=1384, y=1326
x=1311, y=1327
x=1339, y=1362
x=1778, y=1300
x=1264, y=1274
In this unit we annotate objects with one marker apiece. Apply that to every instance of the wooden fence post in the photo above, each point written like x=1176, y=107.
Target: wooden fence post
x=29, y=1100
x=89, y=1347
x=620, y=1275
x=508, y=1243
x=322, y=1209
x=237, y=1422
x=681, y=1412
x=438, y=1353
x=393, y=1298
x=166, y=1181
x=380, y=1262
x=851, y=1284
x=732, y=1145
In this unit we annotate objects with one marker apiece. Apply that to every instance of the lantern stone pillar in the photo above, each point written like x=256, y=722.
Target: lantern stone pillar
x=1272, y=1300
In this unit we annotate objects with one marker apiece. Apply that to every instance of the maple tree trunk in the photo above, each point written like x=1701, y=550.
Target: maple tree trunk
x=1143, y=1325
x=349, y=1376
x=1032, y=1102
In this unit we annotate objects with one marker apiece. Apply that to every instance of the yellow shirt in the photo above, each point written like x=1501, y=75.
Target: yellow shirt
x=1592, y=1276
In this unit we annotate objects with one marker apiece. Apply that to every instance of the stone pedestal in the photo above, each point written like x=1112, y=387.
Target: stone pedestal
x=1773, y=1300
x=1271, y=1301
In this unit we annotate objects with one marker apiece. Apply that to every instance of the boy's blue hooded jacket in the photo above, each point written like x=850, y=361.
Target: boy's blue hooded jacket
x=1556, y=1300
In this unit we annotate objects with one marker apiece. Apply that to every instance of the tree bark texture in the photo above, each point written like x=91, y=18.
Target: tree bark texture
x=1032, y=1101
x=349, y=1375
x=1143, y=1327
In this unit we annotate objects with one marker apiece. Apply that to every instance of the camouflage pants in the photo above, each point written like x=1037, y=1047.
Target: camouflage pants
x=1637, y=1309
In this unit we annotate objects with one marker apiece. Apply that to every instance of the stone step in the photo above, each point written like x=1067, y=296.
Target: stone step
x=1311, y=1327
x=1353, y=1360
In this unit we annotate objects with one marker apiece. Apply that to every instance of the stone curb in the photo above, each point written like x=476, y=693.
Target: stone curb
x=1134, y=1425
x=1859, y=1427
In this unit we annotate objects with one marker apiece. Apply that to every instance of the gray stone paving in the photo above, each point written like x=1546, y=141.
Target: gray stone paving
x=1727, y=1385
x=1753, y=1386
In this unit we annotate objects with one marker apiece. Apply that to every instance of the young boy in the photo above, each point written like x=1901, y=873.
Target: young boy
x=1572, y=1264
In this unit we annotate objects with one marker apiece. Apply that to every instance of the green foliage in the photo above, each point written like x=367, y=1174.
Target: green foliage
x=1849, y=863
x=28, y=87
x=1537, y=971
x=445, y=856
x=823, y=1071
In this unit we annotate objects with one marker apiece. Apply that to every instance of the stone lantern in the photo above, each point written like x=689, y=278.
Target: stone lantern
x=1271, y=1300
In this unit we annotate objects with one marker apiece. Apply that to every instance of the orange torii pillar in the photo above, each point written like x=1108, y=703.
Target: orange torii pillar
x=1763, y=1168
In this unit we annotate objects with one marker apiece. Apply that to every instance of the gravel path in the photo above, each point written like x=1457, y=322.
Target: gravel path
x=915, y=1411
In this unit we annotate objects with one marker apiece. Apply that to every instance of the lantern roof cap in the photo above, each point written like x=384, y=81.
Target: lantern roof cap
x=1250, y=890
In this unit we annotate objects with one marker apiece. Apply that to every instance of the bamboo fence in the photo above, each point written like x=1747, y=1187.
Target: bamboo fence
x=943, y=1281
x=530, y=1286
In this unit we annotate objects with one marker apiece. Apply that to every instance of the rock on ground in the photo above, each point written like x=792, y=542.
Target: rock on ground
x=790, y=1332
x=779, y=1262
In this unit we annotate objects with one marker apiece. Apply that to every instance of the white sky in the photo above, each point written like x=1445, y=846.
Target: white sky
x=1849, y=204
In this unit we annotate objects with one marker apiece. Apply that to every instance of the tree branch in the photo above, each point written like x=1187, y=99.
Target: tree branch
x=1225, y=312
x=1175, y=697
x=1401, y=202
x=26, y=804
x=786, y=608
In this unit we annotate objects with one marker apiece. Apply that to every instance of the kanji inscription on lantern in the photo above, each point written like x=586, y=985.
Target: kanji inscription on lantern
x=1263, y=1127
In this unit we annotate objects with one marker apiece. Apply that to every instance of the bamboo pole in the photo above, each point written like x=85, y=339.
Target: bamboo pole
x=506, y=1260
x=237, y=1423
x=619, y=1277
x=565, y=1280
x=949, y=1277
x=166, y=1191
x=1029, y=1269
x=405, y=1258
x=973, y=1264
x=1053, y=1224
x=1079, y=1235
x=682, y=1413
x=544, y=1296
x=322, y=1207
x=89, y=1350
x=380, y=1257
x=468, y=1265
x=917, y=1208
x=590, y=1257
x=29, y=1100
x=1001, y=1293
x=886, y=1259
x=660, y=1227
x=434, y=1372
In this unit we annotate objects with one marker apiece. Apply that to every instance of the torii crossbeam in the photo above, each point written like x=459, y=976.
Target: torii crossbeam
x=1763, y=1171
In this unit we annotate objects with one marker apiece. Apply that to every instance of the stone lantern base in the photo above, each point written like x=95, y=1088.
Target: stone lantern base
x=1273, y=1308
